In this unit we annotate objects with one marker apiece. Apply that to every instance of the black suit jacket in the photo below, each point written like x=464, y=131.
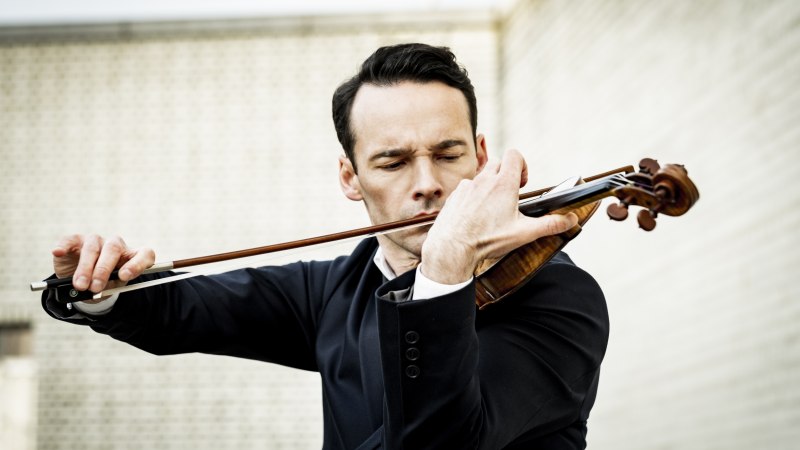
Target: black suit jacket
x=434, y=373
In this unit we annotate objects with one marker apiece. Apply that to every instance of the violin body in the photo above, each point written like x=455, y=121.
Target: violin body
x=494, y=280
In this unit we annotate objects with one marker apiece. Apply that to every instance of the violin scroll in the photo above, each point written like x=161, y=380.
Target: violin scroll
x=660, y=190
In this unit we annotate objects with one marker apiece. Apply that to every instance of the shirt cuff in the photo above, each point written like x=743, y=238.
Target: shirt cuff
x=97, y=309
x=425, y=288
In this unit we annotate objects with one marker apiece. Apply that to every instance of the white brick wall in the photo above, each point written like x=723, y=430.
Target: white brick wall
x=704, y=350
x=192, y=140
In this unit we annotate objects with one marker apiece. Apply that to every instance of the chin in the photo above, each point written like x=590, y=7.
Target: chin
x=410, y=241
x=415, y=242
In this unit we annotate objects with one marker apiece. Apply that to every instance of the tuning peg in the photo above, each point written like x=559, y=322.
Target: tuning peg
x=617, y=212
x=649, y=166
x=647, y=219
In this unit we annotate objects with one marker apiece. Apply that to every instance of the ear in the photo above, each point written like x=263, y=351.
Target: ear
x=348, y=179
x=480, y=151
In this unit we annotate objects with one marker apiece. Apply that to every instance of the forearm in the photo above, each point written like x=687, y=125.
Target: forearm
x=432, y=393
x=232, y=314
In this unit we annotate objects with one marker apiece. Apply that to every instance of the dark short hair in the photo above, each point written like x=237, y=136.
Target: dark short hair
x=391, y=65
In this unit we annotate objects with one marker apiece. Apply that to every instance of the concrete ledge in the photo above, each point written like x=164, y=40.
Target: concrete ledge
x=328, y=24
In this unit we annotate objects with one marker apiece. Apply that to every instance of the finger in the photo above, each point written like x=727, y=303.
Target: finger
x=559, y=223
x=513, y=165
x=89, y=252
x=106, y=262
x=138, y=262
x=551, y=224
x=66, y=254
x=523, y=179
x=67, y=245
x=491, y=168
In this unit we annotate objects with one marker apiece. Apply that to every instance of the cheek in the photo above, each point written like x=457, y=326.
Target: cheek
x=454, y=178
x=385, y=200
x=385, y=186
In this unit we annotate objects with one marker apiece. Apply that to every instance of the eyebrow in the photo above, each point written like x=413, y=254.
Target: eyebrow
x=448, y=143
x=390, y=153
x=395, y=152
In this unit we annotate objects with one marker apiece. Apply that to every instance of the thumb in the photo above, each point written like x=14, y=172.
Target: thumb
x=537, y=227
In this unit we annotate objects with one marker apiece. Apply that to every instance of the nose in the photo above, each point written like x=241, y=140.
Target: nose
x=426, y=182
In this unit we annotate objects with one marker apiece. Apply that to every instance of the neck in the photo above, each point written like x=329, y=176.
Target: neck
x=399, y=259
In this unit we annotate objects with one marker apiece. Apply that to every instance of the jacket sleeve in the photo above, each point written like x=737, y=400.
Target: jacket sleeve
x=267, y=314
x=525, y=367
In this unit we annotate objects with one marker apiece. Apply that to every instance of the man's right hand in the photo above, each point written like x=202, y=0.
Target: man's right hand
x=90, y=260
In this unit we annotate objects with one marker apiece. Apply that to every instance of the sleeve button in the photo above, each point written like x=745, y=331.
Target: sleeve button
x=412, y=337
x=412, y=371
x=412, y=353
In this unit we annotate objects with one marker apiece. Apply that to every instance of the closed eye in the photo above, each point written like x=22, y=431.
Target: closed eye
x=449, y=150
x=392, y=166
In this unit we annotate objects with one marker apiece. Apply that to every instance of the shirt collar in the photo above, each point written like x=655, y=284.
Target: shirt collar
x=383, y=266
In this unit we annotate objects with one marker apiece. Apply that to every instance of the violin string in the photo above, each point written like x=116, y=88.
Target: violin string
x=622, y=181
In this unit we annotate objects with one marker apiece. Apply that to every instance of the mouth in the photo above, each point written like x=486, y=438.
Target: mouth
x=426, y=213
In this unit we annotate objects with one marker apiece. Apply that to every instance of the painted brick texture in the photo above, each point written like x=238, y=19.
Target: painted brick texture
x=190, y=143
x=704, y=350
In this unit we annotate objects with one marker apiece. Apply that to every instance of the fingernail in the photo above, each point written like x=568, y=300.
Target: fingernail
x=97, y=286
x=81, y=283
x=124, y=274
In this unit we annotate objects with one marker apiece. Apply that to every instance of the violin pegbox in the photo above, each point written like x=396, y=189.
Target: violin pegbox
x=659, y=190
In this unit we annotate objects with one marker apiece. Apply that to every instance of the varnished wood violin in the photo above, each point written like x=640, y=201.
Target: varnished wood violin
x=657, y=189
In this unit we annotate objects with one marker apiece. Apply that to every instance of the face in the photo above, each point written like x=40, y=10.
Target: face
x=414, y=144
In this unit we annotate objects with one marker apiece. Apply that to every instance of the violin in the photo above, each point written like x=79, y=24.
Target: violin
x=657, y=189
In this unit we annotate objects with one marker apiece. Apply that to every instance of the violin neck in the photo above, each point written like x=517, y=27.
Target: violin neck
x=575, y=197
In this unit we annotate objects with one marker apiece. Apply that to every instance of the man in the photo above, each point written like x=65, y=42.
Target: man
x=405, y=359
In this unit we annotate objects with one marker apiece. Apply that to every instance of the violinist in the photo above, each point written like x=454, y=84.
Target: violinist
x=405, y=357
